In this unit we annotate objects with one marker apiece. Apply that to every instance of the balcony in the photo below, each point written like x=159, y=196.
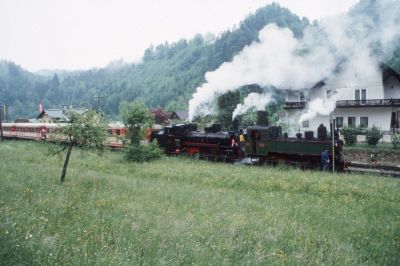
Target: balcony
x=294, y=105
x=368, y=103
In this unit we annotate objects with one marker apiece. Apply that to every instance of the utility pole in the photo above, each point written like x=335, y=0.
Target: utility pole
x=333, y=143
x=1, y=130
x=2, y=113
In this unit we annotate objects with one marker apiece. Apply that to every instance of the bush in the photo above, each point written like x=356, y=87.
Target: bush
x=144, y=152
x=373, y=135
x=350, y=135
x=396, y=140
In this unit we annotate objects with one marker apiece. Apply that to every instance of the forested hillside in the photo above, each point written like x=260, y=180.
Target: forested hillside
x=167, y=76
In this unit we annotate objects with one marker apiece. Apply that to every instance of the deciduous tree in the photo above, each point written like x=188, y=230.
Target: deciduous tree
x=85, y=130
x=136, y=118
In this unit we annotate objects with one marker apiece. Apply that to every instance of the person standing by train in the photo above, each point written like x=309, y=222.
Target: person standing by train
x=325, y=160
x=43, y=134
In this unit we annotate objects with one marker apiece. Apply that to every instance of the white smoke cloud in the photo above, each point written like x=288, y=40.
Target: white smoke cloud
x=340, y=50
x=318, y=107
x=278, y=59
x=259, y=101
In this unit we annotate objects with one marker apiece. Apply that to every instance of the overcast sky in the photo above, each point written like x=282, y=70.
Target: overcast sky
x=80, y=34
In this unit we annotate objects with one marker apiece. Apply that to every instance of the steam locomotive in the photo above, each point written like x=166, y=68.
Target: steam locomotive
x=211, y=143
x=262, y=144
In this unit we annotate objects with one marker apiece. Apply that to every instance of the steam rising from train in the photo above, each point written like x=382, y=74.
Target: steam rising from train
x=341, y=50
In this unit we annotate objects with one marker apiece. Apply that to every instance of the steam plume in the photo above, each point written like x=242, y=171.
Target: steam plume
x=341, y=50
x=259, y=101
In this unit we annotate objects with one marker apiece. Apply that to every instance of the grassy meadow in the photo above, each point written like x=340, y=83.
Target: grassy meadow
x=180, y=211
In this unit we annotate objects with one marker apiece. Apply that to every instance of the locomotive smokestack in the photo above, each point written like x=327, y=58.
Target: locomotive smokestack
x=262, y=118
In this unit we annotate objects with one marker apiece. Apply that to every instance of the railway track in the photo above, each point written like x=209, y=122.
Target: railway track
x=383, y=170
x=353, y=167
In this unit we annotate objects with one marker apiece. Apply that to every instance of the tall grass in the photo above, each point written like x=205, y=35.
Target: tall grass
x=183, y=211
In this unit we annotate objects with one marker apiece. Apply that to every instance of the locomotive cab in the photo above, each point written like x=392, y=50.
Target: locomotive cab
x=258, y=138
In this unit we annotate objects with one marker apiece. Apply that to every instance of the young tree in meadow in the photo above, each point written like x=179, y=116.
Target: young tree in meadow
x=137, y=120
x=86, y=131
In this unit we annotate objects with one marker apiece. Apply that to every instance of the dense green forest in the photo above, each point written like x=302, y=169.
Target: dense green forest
x=167, y=76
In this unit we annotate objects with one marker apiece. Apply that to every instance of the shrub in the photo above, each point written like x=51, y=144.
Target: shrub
x=350, y=135
x=144, y=152
x=396, y=140
x=373, y=135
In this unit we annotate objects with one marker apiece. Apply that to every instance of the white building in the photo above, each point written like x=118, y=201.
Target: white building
x=368, y=102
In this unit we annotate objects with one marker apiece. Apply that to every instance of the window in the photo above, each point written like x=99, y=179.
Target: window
x=363, y=95
x=330, y=93
x=351, y=121
x=302, y=97
x=357, y=95
x=118, y=132
x=339, y=122
x=360, y=95
x=363, y=121
x=398, y=118
x=305, y=123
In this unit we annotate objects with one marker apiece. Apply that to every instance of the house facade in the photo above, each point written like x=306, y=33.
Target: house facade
x=364, y=103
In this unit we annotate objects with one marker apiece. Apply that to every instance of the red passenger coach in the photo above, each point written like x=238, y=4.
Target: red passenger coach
x=34, y=131
x=46, y=131
x=116, y=135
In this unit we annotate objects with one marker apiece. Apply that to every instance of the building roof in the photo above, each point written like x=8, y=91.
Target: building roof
x=181, y=114
x=388, y=71
x=56, y=114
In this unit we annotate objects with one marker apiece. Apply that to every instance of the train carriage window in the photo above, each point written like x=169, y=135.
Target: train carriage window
x=118, y=132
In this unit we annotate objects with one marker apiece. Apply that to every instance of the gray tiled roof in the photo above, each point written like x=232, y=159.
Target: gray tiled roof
x=182, y=114
x=56, y=114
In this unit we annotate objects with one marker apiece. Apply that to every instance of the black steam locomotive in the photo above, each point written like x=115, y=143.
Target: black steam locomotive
x=211, y=143
x=259, y=143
